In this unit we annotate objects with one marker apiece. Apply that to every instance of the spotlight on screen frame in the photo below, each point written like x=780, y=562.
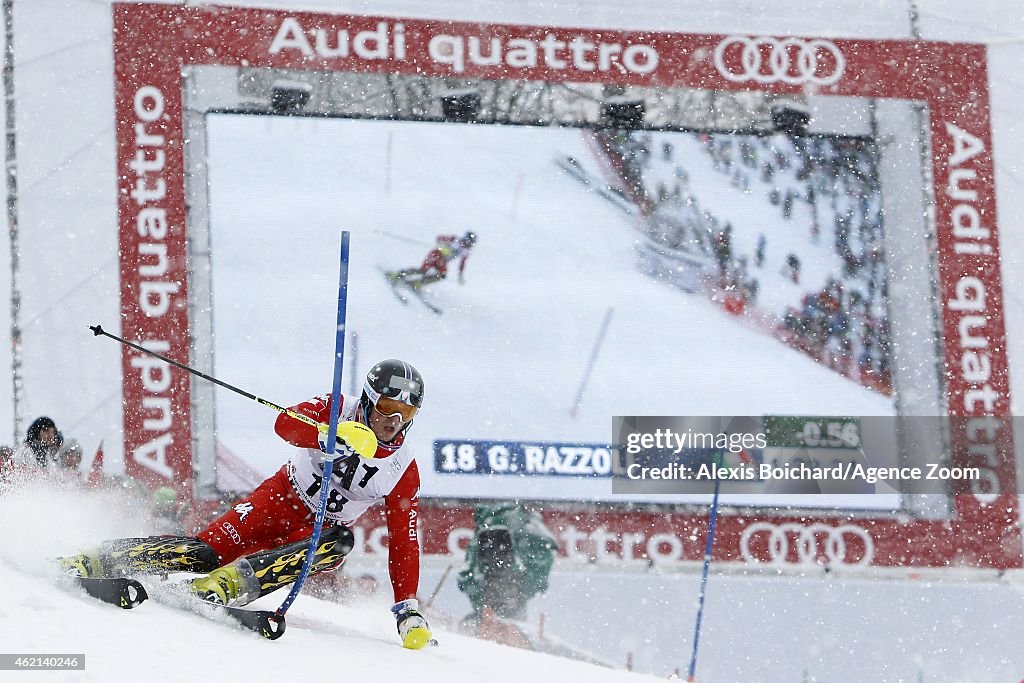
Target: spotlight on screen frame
x=790, y=117
x=289, y=97
x=460, y=106
x=623, y=112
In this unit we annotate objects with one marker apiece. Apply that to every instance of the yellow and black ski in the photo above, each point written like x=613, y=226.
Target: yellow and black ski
x=128, y=593
x=125, y=593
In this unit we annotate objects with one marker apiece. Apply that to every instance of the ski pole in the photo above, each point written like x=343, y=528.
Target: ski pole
x=97, y=330
x=332, y=431
x=402, y=238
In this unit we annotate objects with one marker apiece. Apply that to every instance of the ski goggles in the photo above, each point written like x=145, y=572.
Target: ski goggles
x=388, y=407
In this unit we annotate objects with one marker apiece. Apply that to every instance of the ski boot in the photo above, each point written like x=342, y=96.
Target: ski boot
x=262, y=573
x=395, y=277
x=86, y=564
x=423, y=281
x=228, y=585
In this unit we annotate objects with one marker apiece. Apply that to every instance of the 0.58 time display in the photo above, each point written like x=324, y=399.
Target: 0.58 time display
x=813, y=432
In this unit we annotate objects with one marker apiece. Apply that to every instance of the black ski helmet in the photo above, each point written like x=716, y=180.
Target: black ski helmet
x=395, y=379
x=469, y=239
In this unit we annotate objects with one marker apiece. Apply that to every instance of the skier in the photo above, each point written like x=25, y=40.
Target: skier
x=435, y=265
x=259, y=545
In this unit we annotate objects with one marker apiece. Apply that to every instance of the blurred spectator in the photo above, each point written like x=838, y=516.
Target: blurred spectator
x=6, y=464
x=723, y=249
x=167, y=512
x=42, y=441
x=666, y=151
x=843, y=324
x=787, y=204
x=69, y=456
x=792, y=270
x=45, y=445
x=762, y=244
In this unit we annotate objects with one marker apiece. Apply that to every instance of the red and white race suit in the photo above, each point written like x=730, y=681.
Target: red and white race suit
x=281, y=509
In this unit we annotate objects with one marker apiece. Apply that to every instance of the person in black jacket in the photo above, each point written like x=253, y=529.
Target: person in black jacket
x=42, y=442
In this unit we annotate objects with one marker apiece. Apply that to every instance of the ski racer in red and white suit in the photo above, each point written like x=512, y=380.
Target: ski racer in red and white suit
x=259, y=545
x=449, y=248
x=282, y=509
x=435, y=265
x=396, y=482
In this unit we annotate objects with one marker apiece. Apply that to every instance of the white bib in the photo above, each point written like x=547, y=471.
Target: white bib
x=356, y=482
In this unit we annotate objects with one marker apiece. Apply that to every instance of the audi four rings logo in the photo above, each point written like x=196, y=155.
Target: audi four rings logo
x=809, y=542
x=779, y=60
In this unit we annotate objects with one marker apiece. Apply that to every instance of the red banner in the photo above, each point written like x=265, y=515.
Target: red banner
x=653, y=538
x=152, y=242
x=154, y=42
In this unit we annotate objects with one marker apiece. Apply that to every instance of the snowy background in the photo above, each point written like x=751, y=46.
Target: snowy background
x=758, y=628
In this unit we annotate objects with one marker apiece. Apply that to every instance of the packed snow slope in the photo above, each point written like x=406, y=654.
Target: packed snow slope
x=757, y=628
x=506, y=358
x=156, y=642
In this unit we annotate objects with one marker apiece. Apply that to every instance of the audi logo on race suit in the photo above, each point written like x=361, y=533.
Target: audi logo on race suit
x=810, y=544
x=793, y=61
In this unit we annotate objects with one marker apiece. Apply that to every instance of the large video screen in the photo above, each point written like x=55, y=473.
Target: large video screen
x=612, y=273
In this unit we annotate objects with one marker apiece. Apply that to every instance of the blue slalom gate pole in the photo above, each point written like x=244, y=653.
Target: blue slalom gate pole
x=704, y=579
x=590, y=363
x=332, y=431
